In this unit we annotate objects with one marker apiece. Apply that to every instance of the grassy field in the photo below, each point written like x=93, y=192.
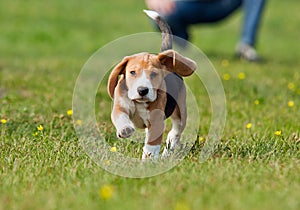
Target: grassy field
x=43, y=46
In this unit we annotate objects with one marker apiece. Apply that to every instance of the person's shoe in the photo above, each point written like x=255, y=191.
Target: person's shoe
x=247, y=52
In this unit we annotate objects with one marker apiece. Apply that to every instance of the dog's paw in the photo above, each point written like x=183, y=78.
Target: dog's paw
x=150, y=152
x=125, y=132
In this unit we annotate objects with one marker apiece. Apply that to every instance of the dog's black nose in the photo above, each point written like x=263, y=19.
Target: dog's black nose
x=142, y=91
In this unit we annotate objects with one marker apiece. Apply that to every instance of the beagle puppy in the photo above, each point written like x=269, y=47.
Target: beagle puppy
x=146, y=89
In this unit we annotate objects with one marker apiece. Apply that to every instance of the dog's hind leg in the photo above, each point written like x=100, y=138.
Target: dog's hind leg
x=178, y=119
x=173, y=138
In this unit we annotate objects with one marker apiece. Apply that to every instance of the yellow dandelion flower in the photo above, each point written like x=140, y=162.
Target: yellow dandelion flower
x=3, y=121
x=201, y=139
x=277, y=133
x=113, y=149
x=225, y=63
x=182, y=205
x=249, y=125
x=241, y=75
x=70, y=112
x=291, y=86
x=226, y=77
x=256, y=102
x=107, y=162
x=40, y=128
x=106, y=192
x=291, y=103
x=78, y=122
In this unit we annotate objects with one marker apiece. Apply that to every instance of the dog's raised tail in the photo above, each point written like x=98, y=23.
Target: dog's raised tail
x=164, y=28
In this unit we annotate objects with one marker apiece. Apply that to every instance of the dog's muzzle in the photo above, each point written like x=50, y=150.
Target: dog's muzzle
x=142, y=91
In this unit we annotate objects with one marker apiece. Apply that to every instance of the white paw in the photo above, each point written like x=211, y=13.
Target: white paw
x=172, y=142
x=150, y=151
x=125, y=132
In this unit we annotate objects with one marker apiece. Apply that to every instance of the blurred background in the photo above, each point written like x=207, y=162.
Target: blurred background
x=43, y=46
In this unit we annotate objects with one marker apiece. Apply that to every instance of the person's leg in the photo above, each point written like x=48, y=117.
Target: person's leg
x=194, y=12
x=253, y=10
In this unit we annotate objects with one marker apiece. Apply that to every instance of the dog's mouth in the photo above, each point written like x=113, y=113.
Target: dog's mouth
x=142, y=100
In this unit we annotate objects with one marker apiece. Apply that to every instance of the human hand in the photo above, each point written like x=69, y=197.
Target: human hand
x=163, y=7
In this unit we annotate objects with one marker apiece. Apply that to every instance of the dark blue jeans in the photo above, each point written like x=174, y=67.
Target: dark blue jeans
x=194, y=12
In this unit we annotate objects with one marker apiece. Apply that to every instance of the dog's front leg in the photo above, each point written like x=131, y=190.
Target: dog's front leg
x=154, y=134
x=121, y=120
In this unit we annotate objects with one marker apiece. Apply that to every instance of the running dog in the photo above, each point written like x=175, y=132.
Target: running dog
x=147, y=89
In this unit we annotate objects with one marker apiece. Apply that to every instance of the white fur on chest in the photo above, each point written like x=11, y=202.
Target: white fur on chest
x=143, y=112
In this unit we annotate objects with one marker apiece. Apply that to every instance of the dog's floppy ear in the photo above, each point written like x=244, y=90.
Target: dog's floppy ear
x=177, y=63
x=114, y=76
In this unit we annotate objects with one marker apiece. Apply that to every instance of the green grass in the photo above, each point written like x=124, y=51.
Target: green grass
x=43, y=46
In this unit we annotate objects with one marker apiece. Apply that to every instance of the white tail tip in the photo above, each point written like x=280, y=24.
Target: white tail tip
x=152, y=14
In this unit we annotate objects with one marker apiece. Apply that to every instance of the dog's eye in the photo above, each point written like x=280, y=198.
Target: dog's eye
x=132, y=73
x=153, y=75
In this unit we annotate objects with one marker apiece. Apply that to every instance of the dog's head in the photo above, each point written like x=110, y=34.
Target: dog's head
x=144, y=73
